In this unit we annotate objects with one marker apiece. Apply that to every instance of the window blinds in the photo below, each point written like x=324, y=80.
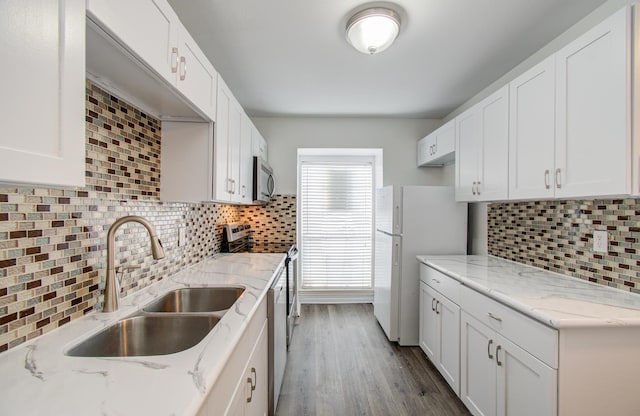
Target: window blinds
x=336, y=225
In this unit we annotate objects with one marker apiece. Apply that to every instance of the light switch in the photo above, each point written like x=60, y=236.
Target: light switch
x=182, y=236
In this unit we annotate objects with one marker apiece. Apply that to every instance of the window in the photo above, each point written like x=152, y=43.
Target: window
x=336, y=222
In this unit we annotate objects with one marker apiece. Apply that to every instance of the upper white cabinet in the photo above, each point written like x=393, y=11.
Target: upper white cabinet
x=151, y=32
x=259, y=145
x=44, y=42
x=593, y=123
x=438, y=148
x=226, y=151
x=246, y=160
x=532, y=132
x=482, y=158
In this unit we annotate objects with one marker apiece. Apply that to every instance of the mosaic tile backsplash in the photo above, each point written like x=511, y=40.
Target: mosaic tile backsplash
x=558, y=236
x=274, y=225
x=53, y=241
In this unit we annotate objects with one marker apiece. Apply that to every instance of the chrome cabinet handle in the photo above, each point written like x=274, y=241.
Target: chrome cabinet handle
x=254, y=377
x=433, y=308
x=244, y=191
x=435, y=281
x=175, y=58
x=437, y=311
x=492, y=316
x=473, y=188
x=489, y=344
x=250, y=383
x=546, y=179
x=478, y=187
x=183, y=71
x=558, y=178
x=498, y=348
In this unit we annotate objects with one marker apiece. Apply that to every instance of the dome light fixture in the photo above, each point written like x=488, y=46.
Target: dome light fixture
x=373, y=30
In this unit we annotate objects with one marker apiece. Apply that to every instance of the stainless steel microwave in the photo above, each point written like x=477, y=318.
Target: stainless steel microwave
x=263, y=184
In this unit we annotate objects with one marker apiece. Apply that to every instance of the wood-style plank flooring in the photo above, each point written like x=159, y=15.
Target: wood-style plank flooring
x=341, y=363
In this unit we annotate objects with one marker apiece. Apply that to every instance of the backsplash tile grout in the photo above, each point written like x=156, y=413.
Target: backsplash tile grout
x=558, y=236
x=53, y=241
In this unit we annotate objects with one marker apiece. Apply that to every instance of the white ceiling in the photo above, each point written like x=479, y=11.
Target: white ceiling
x=290, y=57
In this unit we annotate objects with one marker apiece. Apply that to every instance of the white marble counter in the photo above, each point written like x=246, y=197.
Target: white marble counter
x=556, y=300
x=38, y=379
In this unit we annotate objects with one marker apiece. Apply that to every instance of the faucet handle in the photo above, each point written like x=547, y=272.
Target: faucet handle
x=121, y=269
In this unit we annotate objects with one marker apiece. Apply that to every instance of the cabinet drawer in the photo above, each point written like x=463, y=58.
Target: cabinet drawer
x=444, y=284
x=537, y=339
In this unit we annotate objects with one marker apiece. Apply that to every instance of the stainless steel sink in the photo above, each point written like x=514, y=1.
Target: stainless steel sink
x=146, y=335
x=196, y=300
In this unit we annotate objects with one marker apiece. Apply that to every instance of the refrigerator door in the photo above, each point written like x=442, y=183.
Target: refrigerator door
x=389, y=209
x=435, y=224
x=386, y=280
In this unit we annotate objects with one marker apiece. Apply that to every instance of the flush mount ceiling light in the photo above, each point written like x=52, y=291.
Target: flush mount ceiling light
x=373, y=30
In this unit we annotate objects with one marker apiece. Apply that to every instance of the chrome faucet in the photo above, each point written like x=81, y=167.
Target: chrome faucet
x=112, y=285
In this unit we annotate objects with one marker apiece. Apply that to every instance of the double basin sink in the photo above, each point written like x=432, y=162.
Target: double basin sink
x=172, y=323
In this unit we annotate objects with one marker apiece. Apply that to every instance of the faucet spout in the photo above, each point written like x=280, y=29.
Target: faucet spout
x=112, y=286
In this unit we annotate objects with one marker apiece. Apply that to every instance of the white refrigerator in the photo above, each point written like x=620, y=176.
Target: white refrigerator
x=411, y=220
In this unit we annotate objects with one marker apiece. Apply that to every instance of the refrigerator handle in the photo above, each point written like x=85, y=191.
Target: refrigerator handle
x=396, y=226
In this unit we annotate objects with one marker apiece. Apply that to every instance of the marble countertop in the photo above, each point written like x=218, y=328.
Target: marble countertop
x=37, y=378
x=554, y=299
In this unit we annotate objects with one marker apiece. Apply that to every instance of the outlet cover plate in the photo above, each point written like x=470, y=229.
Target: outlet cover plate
x=600, y=241
x=182, y=236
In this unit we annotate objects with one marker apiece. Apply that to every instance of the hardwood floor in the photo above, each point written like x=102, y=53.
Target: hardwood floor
x=341, y=363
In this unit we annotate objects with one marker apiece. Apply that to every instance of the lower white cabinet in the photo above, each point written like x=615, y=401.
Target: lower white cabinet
x=500, y=378
x=440, y=330
x=242, y=387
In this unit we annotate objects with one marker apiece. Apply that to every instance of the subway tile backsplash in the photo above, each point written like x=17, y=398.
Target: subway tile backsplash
x=53, y=241
x=558, y=236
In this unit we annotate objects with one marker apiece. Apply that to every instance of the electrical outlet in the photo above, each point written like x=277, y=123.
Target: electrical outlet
x=600, y=241
x=182, y=236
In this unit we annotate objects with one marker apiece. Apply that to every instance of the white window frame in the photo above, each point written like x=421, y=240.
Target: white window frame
x=375, y=156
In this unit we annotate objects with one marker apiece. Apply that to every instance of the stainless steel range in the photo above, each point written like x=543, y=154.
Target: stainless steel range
x=282, y=307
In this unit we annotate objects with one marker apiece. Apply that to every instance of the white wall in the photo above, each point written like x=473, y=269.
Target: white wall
x=397, y=137
x=478, y=212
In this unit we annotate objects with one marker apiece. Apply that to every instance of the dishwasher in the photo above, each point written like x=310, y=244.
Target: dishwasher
x=277, y=317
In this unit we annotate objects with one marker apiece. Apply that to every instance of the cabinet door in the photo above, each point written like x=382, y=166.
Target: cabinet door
x=154, y=39
x=429, y=323
x=233, y=161
x=221, y=180
x=494, y=151
x=246, y=160
x=478, y=370
x=44, y=49
x=467, y=154
x=593, y=134
x=258, y=391
x=525, y=385
x=448, y=314
x=532, y=132
x=197, y=79
x=259, y=145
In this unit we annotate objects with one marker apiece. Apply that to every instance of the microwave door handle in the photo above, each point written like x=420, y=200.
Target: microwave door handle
x=270, y=185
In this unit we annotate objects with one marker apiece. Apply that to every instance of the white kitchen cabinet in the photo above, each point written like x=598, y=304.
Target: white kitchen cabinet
x=593, y=123
x=259, y=145
x=508, y=361
x=151, y=31
x=532, y=132
x=226, y=151
x=482, y=143
x=440, y=323
x=43, y=42
x=438, y=148
x=246, y=161
x=242, y=387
